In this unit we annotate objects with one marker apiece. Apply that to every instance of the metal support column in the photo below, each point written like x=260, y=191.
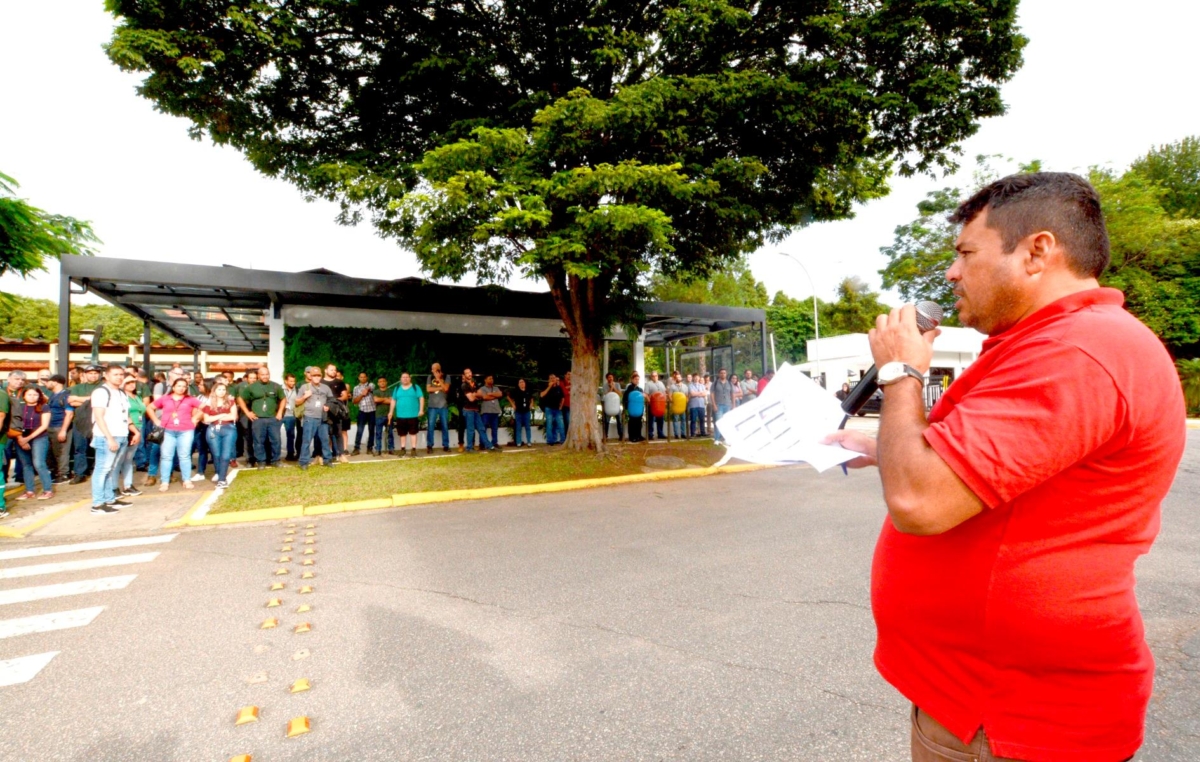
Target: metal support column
x=146, y=350
x=604, y=370
x=64, y=325
x=763, y=326
x=195, y=360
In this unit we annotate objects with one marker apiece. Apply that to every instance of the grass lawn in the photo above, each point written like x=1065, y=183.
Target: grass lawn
x=318, y=485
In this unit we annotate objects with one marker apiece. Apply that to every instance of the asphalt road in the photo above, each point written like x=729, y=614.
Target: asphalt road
x=723, y=618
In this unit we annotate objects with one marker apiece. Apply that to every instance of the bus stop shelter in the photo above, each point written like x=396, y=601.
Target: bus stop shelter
x=234, y=309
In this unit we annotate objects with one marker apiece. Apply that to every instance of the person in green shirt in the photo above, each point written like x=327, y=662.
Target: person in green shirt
x=80, y=398
x=137, y=417
x=262, y=401
x=406, y=407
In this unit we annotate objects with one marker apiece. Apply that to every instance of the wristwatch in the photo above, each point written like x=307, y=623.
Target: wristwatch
x=892, y=372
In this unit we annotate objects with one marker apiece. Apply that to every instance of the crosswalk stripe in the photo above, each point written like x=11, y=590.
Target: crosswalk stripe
x=59, y=620
x=24, y=668
x=27, y=594
x=83, y=547
x=69, y=566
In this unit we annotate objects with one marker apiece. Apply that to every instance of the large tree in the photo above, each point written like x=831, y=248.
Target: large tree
x=586, y=143
x=29, y=236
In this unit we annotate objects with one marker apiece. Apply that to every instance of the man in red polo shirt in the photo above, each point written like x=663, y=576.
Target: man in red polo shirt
x=1002, y=584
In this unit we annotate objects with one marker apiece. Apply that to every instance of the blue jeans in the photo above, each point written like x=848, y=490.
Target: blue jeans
x=696, y=420
x=655, y=424
x=34, y=460
x=491, y=422
x=554, y=426
x=123, y=469
x=320, y=430
x=266, y=431
x=80, y=443
x=437, y=414
x=677, y=424
x=221, y=440
x=176, y=443
x=289, y=430
x=104, y=477
x=200, y=447
x=521, y=423
x=620, y=426
x=475, y=423
x=380, y=428
x=366, y=422
x=3, y=476
x=721, y=410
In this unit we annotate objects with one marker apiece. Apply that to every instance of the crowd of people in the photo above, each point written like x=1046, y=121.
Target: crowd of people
x=108, y=423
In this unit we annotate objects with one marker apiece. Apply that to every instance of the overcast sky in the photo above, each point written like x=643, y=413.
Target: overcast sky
x=1099, y=86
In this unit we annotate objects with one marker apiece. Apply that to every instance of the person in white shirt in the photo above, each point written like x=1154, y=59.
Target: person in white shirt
x=111, y=434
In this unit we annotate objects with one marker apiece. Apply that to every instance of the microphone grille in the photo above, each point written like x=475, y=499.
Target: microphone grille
x=929, y=315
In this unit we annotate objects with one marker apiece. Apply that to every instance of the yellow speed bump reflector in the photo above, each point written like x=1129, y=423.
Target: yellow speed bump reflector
x=309, y=551
x=310, y=534
x=274, y=602
x=309, y=541
x=280, y=571
x=310, y=526
x=303, y=627
x=307, y=562
x=298, y=726
x=303, y=608
x=300, y=686
x=269, y=623
x=278, y=586
x=290, y=531
x=286, y=549
x=241, y=758
x=308, y=575
x=246, y=714
x=306, y=589
x=284, y=559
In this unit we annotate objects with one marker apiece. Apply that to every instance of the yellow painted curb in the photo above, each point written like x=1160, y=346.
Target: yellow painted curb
x=6, y=532
x=185, y=520
x=33, y=526
x=454, y=495
x=356, y=505
x=484, y=493
x=260, y=514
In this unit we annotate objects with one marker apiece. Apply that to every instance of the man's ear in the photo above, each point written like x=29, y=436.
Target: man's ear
x=1043, y=252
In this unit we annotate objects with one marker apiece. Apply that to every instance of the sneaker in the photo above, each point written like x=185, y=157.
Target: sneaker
x=355, y=451
x=460, y=448
x=119, y=503
x=428, y=450
x=223, y=485
x=26, y=495
x=319, y=460
x=45, y=495
x=412, y=453
x=234, y=464
x=445, y=449
x=344, y=458
x=131, y=492
x=215, y=477
x=3, y=513
x=189, y=485
x=102, y=508
x=150, y=481
x=303, y=467
x=197, y=477
x=78, y=480
x=62, y=480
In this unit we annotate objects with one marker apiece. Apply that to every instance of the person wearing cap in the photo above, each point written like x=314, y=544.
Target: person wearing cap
x=80, y=398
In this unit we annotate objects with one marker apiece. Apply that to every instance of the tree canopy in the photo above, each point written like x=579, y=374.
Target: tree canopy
x=590, y=145
x=37, y=319
x=30, y=236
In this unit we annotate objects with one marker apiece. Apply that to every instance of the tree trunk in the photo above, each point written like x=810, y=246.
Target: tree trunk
x=579, y=302
x=583, y=432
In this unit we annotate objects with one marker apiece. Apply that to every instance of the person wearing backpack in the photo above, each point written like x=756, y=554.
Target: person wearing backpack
x=656, y=395
x=611, y=405
x=635, y=407
x=111, y=434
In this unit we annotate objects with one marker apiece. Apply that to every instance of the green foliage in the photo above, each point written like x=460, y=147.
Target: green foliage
x=1176, y=169
x=855, y=310
x=37, y=319
x=30, y=236
x=1189, y=376
x=791, y=322
x=591, y=145
x=733, y=287
x=923, y=250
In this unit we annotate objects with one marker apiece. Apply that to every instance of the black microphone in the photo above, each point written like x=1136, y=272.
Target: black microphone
x=929, y=315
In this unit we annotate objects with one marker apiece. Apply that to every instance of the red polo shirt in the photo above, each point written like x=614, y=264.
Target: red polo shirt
x=1022, y=619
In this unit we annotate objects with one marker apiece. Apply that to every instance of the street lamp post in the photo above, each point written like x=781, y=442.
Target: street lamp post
x=93, y=337
x=816, y=318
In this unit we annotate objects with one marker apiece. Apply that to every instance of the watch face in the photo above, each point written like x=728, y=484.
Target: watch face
x=890, y=372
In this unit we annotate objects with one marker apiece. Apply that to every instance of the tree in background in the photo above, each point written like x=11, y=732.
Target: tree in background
x=589, y=145
x=1176, y=169
x=791, y=320
x=37, y=319
x=30, y=236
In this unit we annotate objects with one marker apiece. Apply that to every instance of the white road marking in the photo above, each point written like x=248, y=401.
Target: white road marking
x=59, y=620
x=26, y=594
x=83, y=547
x=23, y=669
x=70, y=566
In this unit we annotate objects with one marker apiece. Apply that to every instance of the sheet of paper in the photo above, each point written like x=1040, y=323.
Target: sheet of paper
x=785, y=424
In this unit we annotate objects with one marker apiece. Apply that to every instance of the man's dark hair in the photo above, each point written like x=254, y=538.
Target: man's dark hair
x=1060, y=202
x=58, y=379
x=286, y=376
